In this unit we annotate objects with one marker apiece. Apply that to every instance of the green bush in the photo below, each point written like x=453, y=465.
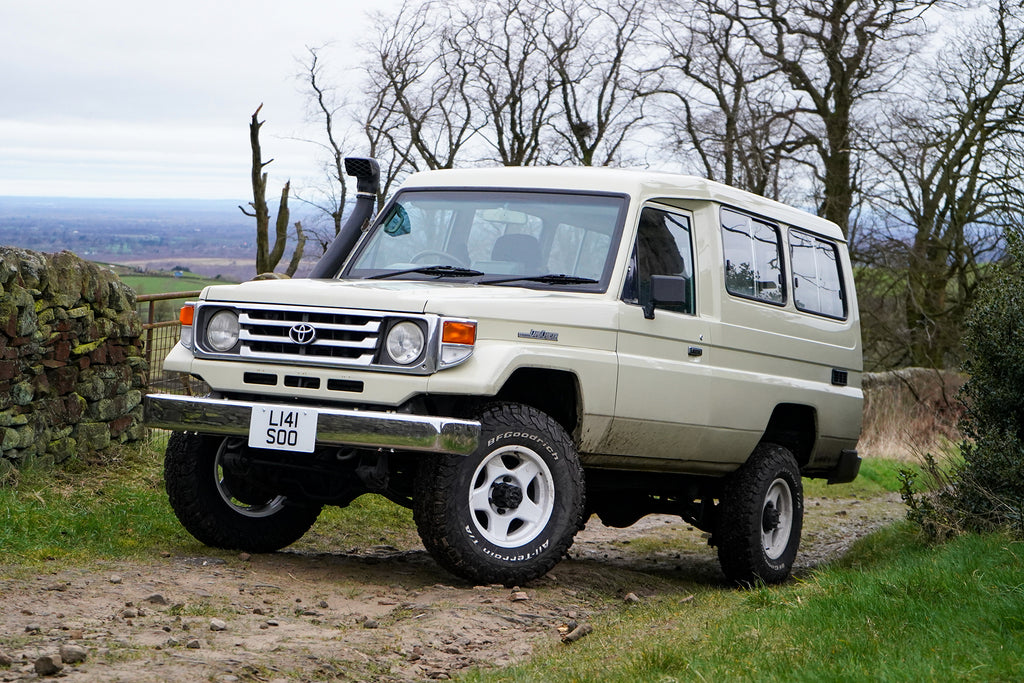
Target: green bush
x=986, y=489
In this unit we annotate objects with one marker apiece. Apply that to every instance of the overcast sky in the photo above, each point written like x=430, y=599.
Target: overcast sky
x=111, y=98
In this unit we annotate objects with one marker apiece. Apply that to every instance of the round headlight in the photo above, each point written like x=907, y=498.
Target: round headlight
x=222, y=331
x=404, y=343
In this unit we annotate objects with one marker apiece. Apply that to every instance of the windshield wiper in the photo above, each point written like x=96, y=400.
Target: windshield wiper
x=549, y=279
x=440, y=271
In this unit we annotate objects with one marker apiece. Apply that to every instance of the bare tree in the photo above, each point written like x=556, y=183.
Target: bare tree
x=720, y=98
x=373, y=124
x=267, y=258
x=955, y=166
x=332, y=196
x=387, y=140
x=536, y=81
x=420, y=73
x=511, y=76
x=593, y=47
x=837, y=55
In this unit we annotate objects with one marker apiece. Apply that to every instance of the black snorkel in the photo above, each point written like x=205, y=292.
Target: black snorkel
x=367, y=175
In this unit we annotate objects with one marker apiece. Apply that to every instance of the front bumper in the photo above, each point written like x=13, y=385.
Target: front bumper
x=363, y=428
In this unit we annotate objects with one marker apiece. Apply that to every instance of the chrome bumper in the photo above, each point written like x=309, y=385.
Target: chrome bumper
x=335, y=427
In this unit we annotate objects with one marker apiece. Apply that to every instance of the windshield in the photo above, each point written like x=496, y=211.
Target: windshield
x=492, y=237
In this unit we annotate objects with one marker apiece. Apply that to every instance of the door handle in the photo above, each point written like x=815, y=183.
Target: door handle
x=695, y=351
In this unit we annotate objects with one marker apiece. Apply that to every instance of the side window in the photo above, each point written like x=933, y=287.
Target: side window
x=753, y=258
x=664, y=246
x=817, y=284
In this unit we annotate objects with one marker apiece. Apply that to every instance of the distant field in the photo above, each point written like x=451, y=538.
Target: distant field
x=209, y=237
x=231, y=268
x=161, y=283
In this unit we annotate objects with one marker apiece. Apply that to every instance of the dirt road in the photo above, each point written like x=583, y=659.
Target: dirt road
x=382, y=613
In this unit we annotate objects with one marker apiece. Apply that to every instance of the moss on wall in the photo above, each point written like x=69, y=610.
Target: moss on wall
x=72, y=366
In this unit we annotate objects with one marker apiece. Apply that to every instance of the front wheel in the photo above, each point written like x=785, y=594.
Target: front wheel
x=508, y=512
x=761, y=516
x=219, y=506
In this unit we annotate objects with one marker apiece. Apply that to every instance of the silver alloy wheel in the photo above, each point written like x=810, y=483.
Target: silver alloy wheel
x=511, y=496
x=264, y=509
x=776, y=519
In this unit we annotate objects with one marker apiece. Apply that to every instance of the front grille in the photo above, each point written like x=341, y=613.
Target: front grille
x=338, y=337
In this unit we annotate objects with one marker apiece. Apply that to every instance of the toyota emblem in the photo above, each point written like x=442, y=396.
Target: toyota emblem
x=302, y=334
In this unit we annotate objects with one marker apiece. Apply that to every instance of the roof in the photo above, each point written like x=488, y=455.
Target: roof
x=639, y=184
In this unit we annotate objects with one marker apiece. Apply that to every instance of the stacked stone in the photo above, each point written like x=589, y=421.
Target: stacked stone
x=72, y=366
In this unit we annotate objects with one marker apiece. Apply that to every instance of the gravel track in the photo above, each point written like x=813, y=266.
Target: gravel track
x=379, y=613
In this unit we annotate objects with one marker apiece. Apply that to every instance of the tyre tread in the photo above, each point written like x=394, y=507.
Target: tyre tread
x=739, y=554
x=438, y=477
x=197, y=505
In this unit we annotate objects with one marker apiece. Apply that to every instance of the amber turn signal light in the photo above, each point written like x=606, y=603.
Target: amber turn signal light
x=186, y=314
x=456, y=332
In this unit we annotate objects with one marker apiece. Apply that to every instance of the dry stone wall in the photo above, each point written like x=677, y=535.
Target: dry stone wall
x=72, y=367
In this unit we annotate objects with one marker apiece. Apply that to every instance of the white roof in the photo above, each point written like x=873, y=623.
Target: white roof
x=639, y=184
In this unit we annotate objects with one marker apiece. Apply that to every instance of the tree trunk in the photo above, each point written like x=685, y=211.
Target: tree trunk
x=267, y=258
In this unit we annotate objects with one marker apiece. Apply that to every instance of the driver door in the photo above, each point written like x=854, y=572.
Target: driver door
x=662, y=404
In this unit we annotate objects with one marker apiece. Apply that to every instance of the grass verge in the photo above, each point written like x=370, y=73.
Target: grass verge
x=877, y=476
x=83, y=512
x=893, y=609
x=79, y=512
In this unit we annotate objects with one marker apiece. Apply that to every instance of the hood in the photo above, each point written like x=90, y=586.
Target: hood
x=448, y=298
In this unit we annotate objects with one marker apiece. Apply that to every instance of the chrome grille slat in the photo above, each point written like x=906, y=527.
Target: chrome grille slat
x=370, y=326
x=369, y=343
x=365, y=344
x=364, y=359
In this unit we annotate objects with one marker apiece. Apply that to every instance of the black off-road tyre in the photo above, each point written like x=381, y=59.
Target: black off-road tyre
x=508, y=512
x=222, y=510
x=760, y=518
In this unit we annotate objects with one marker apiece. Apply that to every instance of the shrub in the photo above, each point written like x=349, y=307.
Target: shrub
x=986, y=489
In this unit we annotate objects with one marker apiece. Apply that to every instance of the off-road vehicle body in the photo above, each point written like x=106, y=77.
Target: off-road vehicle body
x=509, y=351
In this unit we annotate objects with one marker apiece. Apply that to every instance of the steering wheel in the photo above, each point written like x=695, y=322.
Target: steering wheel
x=446, y=259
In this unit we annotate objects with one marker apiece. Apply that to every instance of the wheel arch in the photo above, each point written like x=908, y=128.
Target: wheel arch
x=554, y=392
x=794, y=426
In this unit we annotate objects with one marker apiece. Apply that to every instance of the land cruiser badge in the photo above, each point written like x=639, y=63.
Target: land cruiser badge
x=539, y=334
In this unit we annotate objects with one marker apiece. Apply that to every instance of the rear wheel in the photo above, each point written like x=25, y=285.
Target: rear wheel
x=219, y=506
x=760, y=517
x=508, y=512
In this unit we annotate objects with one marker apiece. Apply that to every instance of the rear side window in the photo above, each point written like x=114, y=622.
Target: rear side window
x=817, y=282
x=753, y=258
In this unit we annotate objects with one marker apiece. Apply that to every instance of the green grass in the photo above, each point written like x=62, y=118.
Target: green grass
x=369, y=521
x=78, y=513
x=893, y=610
x=81, y=512
x=877, y=476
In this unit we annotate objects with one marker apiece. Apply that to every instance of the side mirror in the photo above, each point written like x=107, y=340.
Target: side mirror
x=668, y=290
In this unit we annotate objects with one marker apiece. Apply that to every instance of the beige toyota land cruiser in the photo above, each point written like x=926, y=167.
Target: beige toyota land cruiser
x=512, y=351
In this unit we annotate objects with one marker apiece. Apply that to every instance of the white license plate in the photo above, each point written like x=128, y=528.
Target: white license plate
x=283, y=429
